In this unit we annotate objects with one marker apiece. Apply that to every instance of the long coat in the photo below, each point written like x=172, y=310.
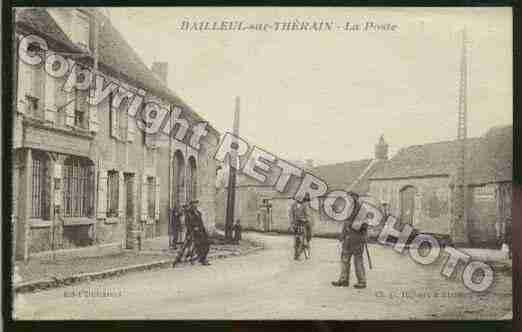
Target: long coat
x=195, y=223
x=174, y=221
x=353, y=240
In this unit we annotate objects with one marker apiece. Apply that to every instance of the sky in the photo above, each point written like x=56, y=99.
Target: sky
x=329, y=95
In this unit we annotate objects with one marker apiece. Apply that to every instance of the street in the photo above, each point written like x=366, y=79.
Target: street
x=269, y=284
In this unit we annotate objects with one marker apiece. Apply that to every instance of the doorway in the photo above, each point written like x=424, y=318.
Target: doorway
x=129, y=210
x=408, y=204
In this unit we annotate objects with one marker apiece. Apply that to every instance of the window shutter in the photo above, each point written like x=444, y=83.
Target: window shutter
x=69, y=108
x=144, y=198
x=157, y=199
x=131, y=128
x=93, y=118
x=101, y=211
x=121, y=195
x=50, y=103
x=114, y=123
x=25, y=79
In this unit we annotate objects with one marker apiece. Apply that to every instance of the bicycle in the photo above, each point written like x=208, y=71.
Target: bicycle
x=187, y=252
x=188, y=248
x=301, y=243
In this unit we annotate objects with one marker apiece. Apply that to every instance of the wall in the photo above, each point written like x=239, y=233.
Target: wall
x=486, y=210
x=249, y=210
x=432, y=201
x=106, y=153
x=206, y=178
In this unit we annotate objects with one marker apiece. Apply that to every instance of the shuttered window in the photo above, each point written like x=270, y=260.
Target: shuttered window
x=151, y=196
x=114, y=118
x=81, y=108
x=39, y=192
x=112, y=193
x=78, y=188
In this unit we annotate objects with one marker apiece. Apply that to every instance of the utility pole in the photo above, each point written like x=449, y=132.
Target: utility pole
x=233, y=165
x=459, y=216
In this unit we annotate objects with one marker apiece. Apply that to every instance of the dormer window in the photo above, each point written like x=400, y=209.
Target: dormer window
x=82, y=29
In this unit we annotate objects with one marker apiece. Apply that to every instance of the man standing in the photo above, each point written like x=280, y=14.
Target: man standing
x=199, y=233
x=353, y=242
x=174, y=225
x=299, y=216
x=237, y=231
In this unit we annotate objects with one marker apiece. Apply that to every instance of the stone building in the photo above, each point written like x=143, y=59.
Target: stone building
x=418, y=185
x=87, y=176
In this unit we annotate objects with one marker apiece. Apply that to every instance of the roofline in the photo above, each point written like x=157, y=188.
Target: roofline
x=344, y=162
x=476, y=184
x=363, y=173
x=168, y=94
x=410, y=177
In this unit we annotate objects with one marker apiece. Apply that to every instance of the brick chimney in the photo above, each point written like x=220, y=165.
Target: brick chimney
x=381, y=149
x=161, y=69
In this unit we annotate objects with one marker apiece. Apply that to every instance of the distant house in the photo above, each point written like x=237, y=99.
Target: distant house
x=262, y=208
x=418, y=181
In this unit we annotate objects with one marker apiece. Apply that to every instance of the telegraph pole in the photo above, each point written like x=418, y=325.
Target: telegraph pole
x=459, y=216
x=233, y=164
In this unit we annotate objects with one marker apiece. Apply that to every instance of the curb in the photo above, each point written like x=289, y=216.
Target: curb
x=48, y=283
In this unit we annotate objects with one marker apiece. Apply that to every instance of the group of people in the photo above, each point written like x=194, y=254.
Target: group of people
x=353, y=242
x=195, y=230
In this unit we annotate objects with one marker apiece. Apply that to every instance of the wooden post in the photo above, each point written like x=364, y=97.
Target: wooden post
x=234, y=162
x=459, y=218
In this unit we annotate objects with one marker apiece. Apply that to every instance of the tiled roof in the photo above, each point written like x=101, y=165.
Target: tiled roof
x=116, y=56
x=343, y=175
x=489, y=159
x=38, y=21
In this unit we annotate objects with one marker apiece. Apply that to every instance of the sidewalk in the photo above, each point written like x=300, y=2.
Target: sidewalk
x=38, y=274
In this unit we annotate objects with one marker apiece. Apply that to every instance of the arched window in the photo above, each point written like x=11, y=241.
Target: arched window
x=40, y=199
x=178, y=180
x=192, y=180
x=78, y=187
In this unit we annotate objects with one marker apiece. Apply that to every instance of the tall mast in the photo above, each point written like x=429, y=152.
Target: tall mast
x=233, y=162
x=459, y=229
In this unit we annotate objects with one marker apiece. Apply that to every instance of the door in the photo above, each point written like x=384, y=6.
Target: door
x=408, y=204
x=129, y=210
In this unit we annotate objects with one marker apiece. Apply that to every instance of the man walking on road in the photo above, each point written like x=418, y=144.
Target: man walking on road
x=353, y=244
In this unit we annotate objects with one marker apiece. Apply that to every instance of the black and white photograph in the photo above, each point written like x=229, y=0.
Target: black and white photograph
x=261, y=163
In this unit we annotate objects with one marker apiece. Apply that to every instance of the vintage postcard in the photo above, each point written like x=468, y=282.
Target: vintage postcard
x=262, y=163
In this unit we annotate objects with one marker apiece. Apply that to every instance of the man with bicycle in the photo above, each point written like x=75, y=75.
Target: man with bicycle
x=198, y=232
x=299, y=217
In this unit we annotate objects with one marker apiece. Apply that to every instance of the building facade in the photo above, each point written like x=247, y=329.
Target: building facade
x=260, y=207
x=88, y=175
x=418, y=184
